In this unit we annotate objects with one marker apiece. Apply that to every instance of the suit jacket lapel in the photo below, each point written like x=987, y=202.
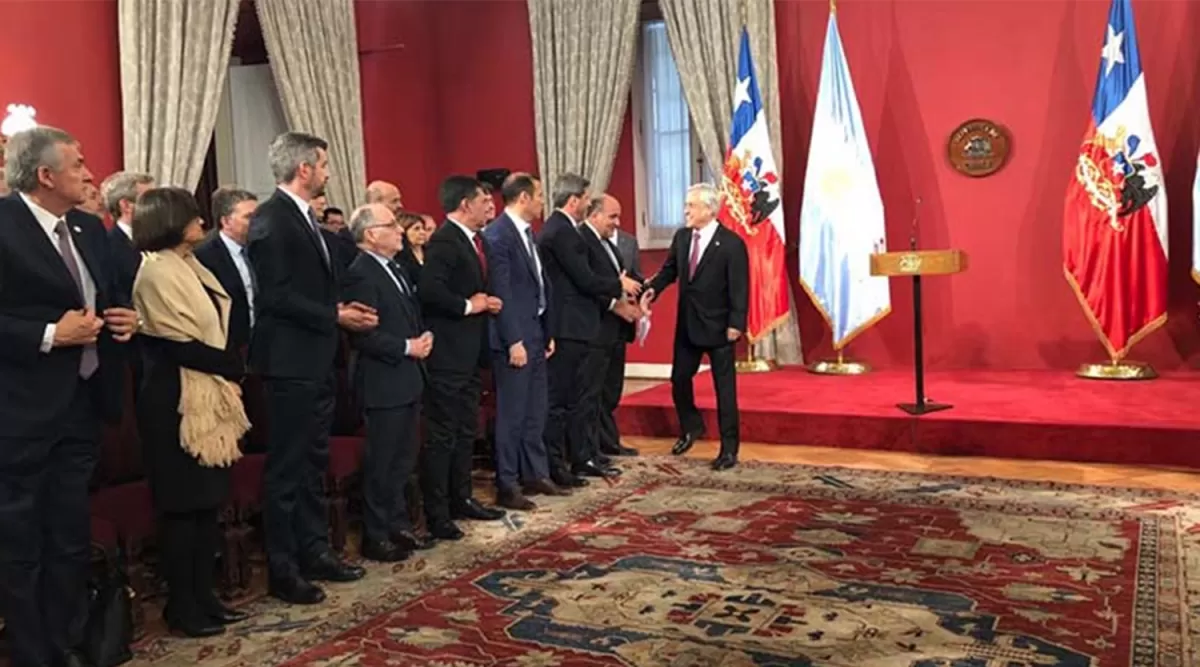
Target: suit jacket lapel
x=469, y=245
x=312, y=235
x=88, y=260
x=510, y=227
x=38, y=243
x=389, y=283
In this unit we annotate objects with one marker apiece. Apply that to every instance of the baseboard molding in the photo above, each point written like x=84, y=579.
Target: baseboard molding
x=645, y=371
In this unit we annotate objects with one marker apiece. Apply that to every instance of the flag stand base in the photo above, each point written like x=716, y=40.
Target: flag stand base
x=752, y=365
x=1117, y=370
x=839, y=367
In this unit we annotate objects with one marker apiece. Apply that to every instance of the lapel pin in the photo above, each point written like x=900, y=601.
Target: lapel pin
x=77, y=230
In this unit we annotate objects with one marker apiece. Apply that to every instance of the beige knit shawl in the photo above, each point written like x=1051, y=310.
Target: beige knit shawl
x=169, y=295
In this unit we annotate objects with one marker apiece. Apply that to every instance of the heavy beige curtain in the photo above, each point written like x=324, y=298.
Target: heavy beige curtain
x=583, y=56
x=704, y=37
x=174, y=57
x=313, y=48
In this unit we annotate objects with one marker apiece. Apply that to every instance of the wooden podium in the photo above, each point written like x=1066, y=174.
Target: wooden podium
x=914, y=264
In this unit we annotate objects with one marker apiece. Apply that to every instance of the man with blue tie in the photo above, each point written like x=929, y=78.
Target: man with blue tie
x=519, y=339
x=390, y=377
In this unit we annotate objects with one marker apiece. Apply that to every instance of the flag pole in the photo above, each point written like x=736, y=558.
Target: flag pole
x=752, y=364
x=839, y=367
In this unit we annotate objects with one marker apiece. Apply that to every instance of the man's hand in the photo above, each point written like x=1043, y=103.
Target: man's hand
x=494, y=304
x=420, y=347
x=630, y=286
x=77, y=327
x=732, y=334
x=122, y=322
x=517, y=358
x=627, y=311
x=550, y=349
x=646, y=300
x=357, y=317
x=479, y=303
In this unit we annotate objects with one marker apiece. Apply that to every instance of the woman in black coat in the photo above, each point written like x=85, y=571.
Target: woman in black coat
x=181, y=309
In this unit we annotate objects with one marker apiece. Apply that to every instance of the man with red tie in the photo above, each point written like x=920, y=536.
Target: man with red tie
x=455, y=306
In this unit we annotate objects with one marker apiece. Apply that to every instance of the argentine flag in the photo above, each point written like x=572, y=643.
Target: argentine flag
x=841, y=218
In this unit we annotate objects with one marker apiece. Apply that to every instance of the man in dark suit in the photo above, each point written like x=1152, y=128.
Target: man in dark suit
x=297, y=315
x=712, y=268
x=455, y=305
x=390, y=380
x=120, y=192
x=581, y=298
x=338, y=236
x=604, y=217
x=627, y=246
x=61, y=372
x=520, y=344
x=224, y=253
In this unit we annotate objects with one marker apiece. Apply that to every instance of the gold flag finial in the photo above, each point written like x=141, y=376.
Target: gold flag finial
x=832, y=6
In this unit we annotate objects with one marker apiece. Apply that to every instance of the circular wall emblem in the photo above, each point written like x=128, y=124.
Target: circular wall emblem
x=978, y=147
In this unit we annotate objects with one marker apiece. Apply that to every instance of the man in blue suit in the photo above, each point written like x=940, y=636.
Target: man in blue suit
x=520, y=343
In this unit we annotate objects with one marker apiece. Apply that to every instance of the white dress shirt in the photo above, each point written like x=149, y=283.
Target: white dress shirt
x=522, y=227
x=48, y=221
x=470, y=238
x=126, y=227
x=387, y=268
x=305, y=209
x=238, y=253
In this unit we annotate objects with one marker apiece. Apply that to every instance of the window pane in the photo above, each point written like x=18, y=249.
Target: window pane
x=666, y=134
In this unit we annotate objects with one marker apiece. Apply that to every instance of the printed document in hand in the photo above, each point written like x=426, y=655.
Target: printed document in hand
x=643, y=329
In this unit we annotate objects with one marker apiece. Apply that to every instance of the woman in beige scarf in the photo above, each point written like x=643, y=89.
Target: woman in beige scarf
x=190, y=414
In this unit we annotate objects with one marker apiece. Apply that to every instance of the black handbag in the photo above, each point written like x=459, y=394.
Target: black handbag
x=108, y=633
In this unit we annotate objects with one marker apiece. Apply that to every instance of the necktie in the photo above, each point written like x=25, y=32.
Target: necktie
x=252, y=287
x=537, y=268
x=399, y=274
x=481, y=255
x=315, y=227
x=89, y=361
x=694, y=258
x=612, y=254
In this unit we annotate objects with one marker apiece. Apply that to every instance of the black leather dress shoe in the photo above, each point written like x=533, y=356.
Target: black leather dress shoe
x=602, y=460
x=445, y=531
x=223, y=615
x=618, y=450
x=724, y=462
x=294, y=590
x=383, y=551
x=473, y=510
x=591, y=469
x=544, y=487
x=514, y=500
x=684, y=443
x=331, y=568
x=568, y=480
x=407, y=539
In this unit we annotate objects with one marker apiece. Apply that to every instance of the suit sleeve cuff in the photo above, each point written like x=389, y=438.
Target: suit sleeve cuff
x=48, y=338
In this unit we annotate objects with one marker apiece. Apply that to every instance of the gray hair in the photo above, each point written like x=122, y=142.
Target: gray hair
x=595, y=204
x=122, y=186
x=569, y=185
x=29, y=150
x=224, y=200
x=290, y=150
x=708, y=195
x=361, y=220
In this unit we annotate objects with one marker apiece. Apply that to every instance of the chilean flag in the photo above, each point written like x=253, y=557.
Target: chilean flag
x=1115, y=218
x=751, y=204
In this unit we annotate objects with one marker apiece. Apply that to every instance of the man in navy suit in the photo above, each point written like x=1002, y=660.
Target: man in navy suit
x=120, y=192
x=520, y=344
x=298, y=310
x=390, y=377
x=60, y=374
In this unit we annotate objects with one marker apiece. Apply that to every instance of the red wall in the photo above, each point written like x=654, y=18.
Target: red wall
x=1030, y=70
x=62, y=59
x=447, y=86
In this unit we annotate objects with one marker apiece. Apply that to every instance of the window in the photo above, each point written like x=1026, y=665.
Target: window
x=667, y=155
x=251, y=116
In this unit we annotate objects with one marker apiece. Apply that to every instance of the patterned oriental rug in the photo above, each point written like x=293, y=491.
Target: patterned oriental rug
x=767, y=566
